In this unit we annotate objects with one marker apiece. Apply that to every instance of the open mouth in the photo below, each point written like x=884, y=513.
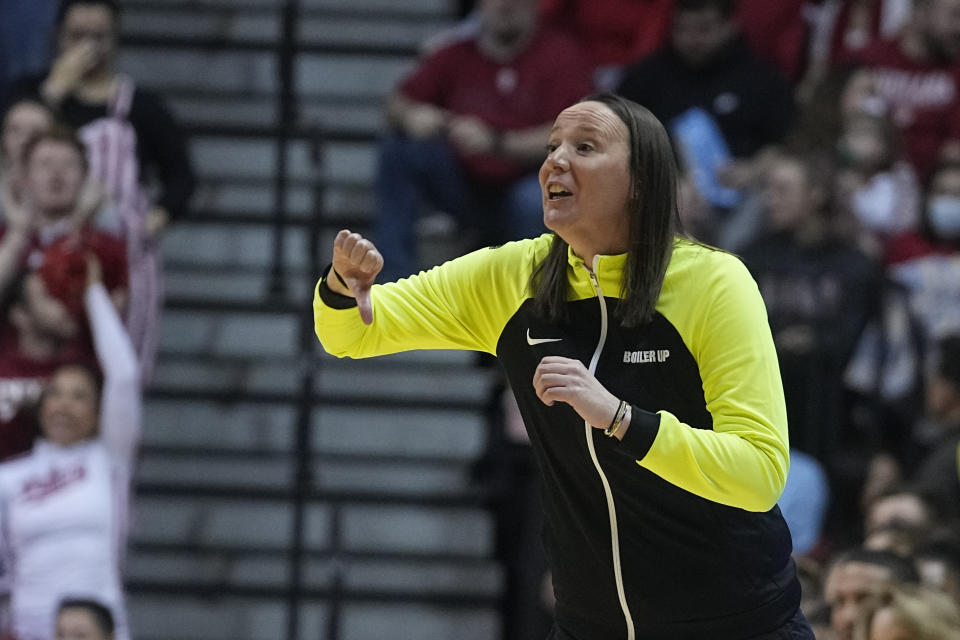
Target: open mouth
x=555, y=192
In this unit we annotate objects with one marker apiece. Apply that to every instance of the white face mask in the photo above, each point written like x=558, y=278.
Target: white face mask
x=943, y=213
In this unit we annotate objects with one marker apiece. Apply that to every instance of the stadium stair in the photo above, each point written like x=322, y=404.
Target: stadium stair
x=384, y=533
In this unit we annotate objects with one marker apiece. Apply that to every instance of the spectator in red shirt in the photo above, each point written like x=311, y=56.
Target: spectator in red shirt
x=918, y=76
x=612, y=33
x=55, y=203
x=777, y=32
x=40, y=323
x=469, y=124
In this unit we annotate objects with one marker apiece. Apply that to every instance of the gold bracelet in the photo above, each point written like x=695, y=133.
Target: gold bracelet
x=611, y=431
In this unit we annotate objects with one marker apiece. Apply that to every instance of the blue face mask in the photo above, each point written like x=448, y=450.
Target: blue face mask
x=943, y=213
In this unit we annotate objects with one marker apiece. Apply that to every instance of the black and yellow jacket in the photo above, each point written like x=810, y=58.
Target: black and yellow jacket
x=674, y=532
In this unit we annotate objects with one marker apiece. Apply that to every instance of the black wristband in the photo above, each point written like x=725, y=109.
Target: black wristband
x=330, y=297
x=339, y=277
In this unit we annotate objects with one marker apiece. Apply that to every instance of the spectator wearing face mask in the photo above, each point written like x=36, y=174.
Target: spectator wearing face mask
x=927, y=264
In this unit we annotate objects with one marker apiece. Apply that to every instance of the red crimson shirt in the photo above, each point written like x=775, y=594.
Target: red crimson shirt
x=529, y=91
x=612, y=32
x=923, y=98
x=21, y=381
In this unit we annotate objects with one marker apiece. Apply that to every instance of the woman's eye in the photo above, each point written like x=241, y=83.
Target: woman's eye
x=584, y=147
x=551, y=147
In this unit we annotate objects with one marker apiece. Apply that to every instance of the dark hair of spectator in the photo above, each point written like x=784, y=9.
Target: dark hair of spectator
x=901, y=569
x=899, y=489
x=819, y=168
x=725, y=8
x=57, y=134
x=654, y=223
x=100, y=613
x=66, y=5
x=21, y=99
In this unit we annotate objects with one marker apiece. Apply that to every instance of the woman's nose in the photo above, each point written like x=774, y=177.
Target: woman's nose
x=558, y=159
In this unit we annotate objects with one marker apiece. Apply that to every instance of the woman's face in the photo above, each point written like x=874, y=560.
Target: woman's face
x=585, y=179
x=68, y=412
x=92, y=26
x=74, y=623
x=789, y=197
x=23, y=121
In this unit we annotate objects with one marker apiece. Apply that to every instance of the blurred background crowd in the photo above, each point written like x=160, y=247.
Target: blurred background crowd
x=819, y=140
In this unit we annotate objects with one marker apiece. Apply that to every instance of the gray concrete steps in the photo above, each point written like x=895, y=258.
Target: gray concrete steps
x=216, y=520
x=264, y=428
x=227, y=617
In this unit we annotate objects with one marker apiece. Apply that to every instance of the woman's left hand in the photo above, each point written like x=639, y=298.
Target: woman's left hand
x=559, y=379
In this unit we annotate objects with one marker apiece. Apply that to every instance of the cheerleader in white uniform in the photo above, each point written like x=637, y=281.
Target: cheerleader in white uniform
x=64, y=507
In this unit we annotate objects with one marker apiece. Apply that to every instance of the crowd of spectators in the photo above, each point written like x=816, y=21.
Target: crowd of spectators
x=92, y=169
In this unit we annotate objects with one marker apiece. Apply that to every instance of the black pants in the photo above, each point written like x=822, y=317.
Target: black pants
x=796, y=629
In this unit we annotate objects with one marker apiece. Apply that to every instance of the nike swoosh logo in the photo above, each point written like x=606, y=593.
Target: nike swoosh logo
x=535, y=341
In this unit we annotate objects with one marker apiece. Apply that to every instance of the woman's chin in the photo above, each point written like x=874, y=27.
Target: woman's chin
x=555, y=218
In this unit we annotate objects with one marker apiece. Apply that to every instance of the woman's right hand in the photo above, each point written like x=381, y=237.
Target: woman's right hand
x=358, y=262
x=68, y=72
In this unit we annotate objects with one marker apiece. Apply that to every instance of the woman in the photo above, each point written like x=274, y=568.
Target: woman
x=669, y=528
x=64, y=505
x=84, y=620
x=914, y=612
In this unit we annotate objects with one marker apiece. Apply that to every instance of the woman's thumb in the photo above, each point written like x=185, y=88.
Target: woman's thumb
x=363, y=303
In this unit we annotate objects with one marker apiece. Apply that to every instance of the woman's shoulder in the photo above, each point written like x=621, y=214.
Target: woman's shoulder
x=508, y=260
x=704, y=264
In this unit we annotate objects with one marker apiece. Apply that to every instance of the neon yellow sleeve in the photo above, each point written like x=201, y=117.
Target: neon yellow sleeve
x=462, y=304
x=743, y=461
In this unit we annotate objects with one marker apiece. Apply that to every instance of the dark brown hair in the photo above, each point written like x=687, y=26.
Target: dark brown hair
x=654, y=221
x=66, y=5
x=58, y=133
x=98, y=611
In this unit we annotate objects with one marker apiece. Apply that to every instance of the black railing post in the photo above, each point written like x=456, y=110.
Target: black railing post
x=303, y=476
x=287, y=113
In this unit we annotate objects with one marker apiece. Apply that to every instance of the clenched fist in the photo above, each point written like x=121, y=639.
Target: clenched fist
x=358, y=262
x=559, y=379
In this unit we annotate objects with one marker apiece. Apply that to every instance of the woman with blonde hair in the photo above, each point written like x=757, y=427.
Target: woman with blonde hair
x=913, y=613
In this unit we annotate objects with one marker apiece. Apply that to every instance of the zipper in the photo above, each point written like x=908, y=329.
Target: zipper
x=611, y=508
